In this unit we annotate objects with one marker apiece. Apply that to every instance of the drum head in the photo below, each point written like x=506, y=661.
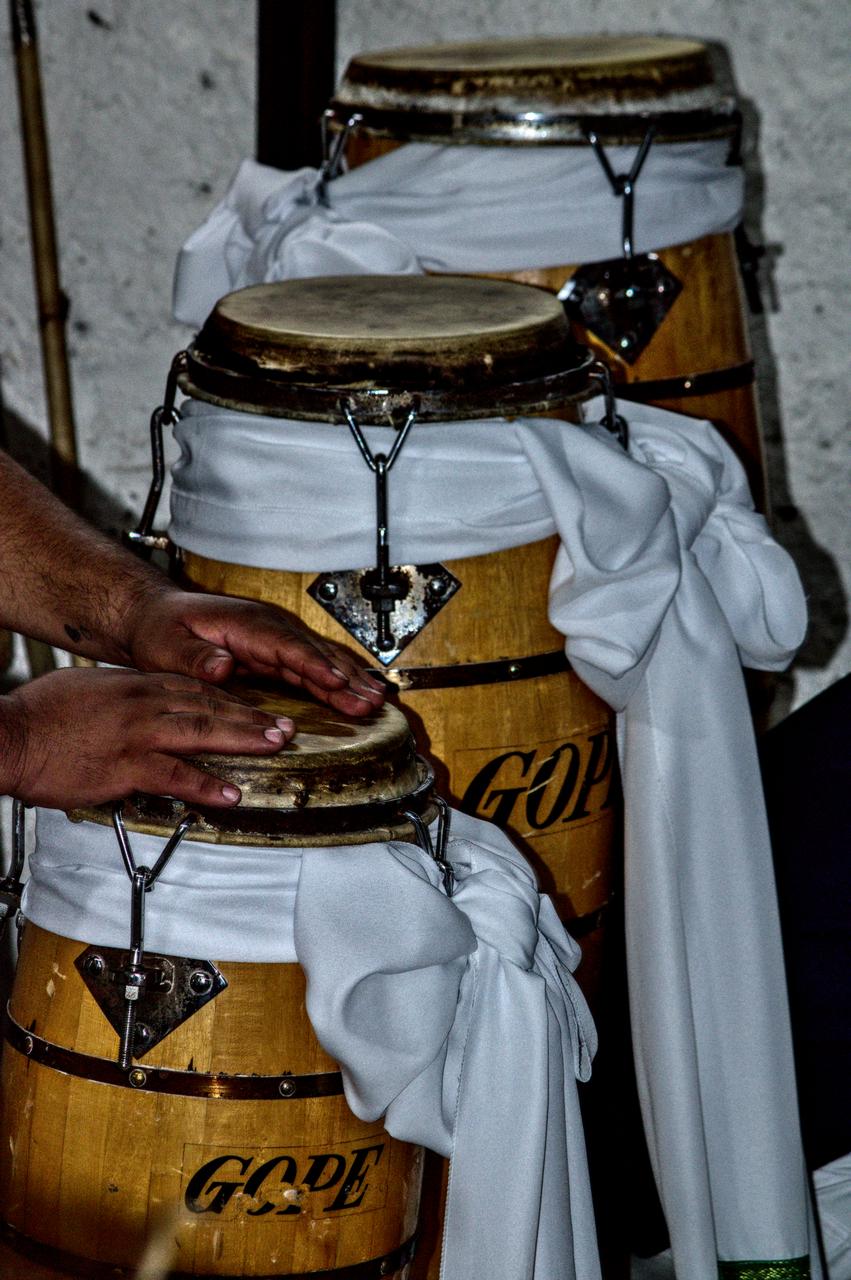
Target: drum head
x=338, y=780
x=540, y=90
x=455, y=346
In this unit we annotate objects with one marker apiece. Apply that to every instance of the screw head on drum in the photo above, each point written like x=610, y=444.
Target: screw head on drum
x=200, y=982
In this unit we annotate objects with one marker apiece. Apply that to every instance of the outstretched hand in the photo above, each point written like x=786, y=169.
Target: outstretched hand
x=82, y=737
x=213, y=637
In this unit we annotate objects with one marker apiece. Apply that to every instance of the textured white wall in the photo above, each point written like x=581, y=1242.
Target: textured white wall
x=151, y=106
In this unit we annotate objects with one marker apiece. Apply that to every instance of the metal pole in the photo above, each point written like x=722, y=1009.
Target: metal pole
x=52, y=303
x=296, y=46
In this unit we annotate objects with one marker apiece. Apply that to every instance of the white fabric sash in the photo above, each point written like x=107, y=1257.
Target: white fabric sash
x=665, y=580
x=459, y=1019
x=426, y=207
x=833, y=1192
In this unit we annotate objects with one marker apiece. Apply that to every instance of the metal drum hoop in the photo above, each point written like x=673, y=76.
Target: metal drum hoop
x=537, y=128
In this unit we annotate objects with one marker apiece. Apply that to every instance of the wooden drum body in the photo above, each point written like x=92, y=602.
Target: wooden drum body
x=694, y=355
x=227, y=1148
x=513, y=734
x=533, y=753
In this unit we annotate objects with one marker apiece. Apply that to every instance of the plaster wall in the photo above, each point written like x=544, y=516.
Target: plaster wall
x=151, y=107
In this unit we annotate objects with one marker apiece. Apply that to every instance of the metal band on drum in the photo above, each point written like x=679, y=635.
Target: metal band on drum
x=539, y=90
x=494, y=127
x=184, y=1084
x=465, y=674
x=692, y=384
x=68, y=1264
x=335, y=820
x=281, y=397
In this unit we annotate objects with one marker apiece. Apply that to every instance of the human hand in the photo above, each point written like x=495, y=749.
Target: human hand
x=80, y=737
x=210, y=637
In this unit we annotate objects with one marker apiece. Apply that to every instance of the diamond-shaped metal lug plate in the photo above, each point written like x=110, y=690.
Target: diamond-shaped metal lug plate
x=174, y=989
x=427, y=588
x=623, y=301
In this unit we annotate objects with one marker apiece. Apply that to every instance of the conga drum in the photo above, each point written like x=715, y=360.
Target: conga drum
x=639, y=244
x=199, y=1128
x=415, y=365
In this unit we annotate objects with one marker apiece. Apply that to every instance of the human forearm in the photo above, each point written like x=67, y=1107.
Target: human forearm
x=61, y=580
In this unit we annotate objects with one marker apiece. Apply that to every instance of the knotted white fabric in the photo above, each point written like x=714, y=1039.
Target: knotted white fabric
x=665, y=580
x=459, y=1019
x=426, y=207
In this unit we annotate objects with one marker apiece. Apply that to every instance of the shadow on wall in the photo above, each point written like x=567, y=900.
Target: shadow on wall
x=23, y=442
x=829, y=617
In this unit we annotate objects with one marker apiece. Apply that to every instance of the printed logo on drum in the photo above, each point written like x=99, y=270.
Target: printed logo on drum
x=286, y=1180
x=535, y=789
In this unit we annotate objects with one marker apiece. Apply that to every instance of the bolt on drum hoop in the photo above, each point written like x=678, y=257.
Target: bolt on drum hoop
x=156, y=1096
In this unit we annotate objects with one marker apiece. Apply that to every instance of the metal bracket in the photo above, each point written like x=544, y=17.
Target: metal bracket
x=436, y=852
x=415, y=592
x=623, y=184
x=332, y=152
x=622, y=301
x=143, y=539
x=11, y=886
x=171, y=990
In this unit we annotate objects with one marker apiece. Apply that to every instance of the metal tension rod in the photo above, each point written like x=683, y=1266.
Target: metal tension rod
x=296, y=74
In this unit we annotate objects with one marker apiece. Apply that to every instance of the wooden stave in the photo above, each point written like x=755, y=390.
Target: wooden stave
x=39, y=1104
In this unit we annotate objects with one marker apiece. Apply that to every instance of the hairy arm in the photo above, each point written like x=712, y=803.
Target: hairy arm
x=60, y=579
x=64, y=582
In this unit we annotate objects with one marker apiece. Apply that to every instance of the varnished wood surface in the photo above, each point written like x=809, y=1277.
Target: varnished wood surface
x=102, y=1171
x=499, y=612
x=704, y=331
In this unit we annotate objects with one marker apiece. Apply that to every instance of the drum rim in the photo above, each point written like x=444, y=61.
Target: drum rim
x=492, y=127
x=280, y=397
x=438, y=92
x=310, y=826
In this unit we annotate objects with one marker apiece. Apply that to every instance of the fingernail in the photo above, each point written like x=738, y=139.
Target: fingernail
x=337, y=672
x=284, y=722
x=366, y=684
x=214, y=662
x=231, y=794
x=274, y=735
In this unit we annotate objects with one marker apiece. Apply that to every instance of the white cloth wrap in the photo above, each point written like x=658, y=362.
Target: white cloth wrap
x=833, y=1193
x=459, y=1019
x=665, y=580
x=426, y=207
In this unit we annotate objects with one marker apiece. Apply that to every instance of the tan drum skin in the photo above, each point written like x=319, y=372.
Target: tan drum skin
x=107, y=1172
x=705, y=331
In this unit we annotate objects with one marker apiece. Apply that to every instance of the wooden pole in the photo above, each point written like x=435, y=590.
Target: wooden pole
x=52, y=303
x=296, y=46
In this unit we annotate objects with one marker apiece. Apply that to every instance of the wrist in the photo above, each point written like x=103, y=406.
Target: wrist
x=141, y=596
